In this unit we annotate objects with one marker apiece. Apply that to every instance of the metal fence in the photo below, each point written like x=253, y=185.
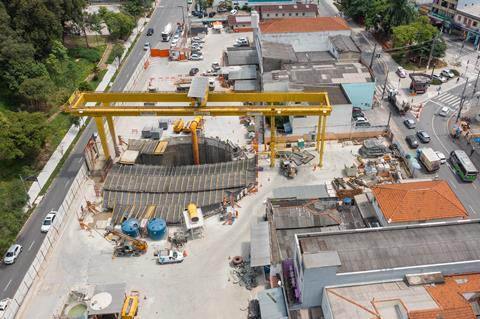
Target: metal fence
x=68, y=206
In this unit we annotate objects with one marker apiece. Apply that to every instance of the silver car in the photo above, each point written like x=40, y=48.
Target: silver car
x=12, y=254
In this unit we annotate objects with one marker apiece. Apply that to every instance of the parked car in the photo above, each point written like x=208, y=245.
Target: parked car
x=193, y=71
x=216, y=66
x=12, y=254
x=440, y=78
x=233, y=12
x=212, y=14
x=444, y=111
x=169, y=256
x=197, y=44
x=411, y=141
x=196, y=57
x=222, y=9
x=409, y=123
x=356, y=115
x=441, y=156
x=447, y=73
x=48, y=221
x=198, y=39
x=423, y=136
x=146, y=46
x=401, y=72
x=4, y=305
x=362, y=122
x=150, y=32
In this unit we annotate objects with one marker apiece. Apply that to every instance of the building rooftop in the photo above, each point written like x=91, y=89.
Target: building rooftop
x=241, y=56
x=472, y=11
x=298, y=7
x=241, y=72
x=303, y=25
x=451, y=299
x=329, y=73
x=280, y=51
x=304, y=191
x=236, y=19
x=344, y=43
x=418, y=201
x=398, y=246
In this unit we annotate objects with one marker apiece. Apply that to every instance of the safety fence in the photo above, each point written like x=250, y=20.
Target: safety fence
x=70, y=204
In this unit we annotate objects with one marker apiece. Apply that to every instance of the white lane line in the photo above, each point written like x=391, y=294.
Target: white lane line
x=31, y=245
x=471, y=208
x=8, y=284
x=80, y=160
x=474, y=186
x=435, y=133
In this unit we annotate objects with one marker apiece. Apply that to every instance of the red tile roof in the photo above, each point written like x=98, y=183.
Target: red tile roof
x=303, y=25
x=418, y=201
x=449, y=297
x=298, y=7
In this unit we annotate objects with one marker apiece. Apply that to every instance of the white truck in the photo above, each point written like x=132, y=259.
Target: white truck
x=167, y=32
x=169, y=256
x=429, y=159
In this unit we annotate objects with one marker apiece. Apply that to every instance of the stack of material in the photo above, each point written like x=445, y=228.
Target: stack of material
x=163, y=125
x=156, y=133
x=372, y=148
x=299, y=158
x=346, y=188
x=147, y=132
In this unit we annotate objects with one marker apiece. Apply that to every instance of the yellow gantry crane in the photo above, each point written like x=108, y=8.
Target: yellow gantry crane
x=270, y=104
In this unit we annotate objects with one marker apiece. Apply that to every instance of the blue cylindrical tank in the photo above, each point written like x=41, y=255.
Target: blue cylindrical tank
x=131, y=227
x=156, y=228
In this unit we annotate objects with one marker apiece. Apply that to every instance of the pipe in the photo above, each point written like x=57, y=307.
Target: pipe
x=273, y=128
x=194, y=125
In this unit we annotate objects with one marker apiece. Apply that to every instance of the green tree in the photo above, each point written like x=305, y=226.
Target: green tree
x=36, y=92
x=22, y=134
x=398, y=12
x=119, y=24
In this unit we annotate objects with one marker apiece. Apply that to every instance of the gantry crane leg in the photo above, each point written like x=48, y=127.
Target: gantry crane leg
x=272, y=141
x=322, y=143
x=111, y=128
x=103, y=136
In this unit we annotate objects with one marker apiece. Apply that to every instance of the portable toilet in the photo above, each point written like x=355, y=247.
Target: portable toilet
x=156, y=228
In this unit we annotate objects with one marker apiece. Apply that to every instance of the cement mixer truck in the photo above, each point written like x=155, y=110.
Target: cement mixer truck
x=167, y=33
x=401, y=106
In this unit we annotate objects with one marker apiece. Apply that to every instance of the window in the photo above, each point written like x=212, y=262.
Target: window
x=303, y=13
x=296, y=14
x=276, y=14
x=475, y=23
x=290, y=14
x=283, y=14
x=268, y=14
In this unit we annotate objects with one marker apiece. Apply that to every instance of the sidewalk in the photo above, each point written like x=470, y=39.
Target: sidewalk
x=58, y=154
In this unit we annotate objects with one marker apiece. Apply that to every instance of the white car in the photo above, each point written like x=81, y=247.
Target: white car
x=448, y=73
x=401, y=72
x=198, y=39
x=176, y=37
x=4, y=304
x=196, y=57
x=233, y=12
x=12, y=254
x=174, y=42
x=441, y=156
x=169, y=256
x=48, y=221
x=444, y=111
x=146, y=46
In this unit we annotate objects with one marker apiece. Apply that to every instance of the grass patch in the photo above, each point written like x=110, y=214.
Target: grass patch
x=79, y=41
x=96, y=82
x=59, y=126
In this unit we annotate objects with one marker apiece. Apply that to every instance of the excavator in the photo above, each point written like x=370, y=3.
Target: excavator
x=124, y=244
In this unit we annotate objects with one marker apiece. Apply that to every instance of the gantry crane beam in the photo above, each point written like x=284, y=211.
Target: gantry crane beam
x=99, y=104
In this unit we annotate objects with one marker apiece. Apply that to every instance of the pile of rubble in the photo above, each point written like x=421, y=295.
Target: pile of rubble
x=242, y=273
x=299, y=158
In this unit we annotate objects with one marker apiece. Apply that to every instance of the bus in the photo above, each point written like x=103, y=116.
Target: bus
x=464, y=167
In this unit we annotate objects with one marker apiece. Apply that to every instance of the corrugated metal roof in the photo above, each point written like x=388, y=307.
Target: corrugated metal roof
x=242, y=72
x=272, y=304
x=259, y=245
x=246, y=85
x=198, y=87
x=302, y=192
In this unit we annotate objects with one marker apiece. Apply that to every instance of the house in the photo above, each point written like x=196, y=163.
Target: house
x=240, y=23
x=297, y=10
x=446, y=9
x=344, y=49
x=416, y=202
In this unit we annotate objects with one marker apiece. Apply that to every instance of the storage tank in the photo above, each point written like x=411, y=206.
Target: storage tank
x=192, y=212
x=156, y=228
x=131, y=227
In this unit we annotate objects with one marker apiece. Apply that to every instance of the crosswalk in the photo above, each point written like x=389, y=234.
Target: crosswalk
x=447, y=99
x=379, y=90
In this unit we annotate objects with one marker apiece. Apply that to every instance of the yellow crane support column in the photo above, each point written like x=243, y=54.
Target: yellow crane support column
x=103, y=137
x=272, y=141
x=322, y=147
x=111, y=128
x=319, y=132
x=194, y=125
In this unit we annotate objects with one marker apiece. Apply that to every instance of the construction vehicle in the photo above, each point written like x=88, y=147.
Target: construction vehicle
x=126, y=245
x=178, y=126
x=420, y=82
x=130, y=305
x=167, y=32
x=401, y=106
x=288, y=169
x=169, y=256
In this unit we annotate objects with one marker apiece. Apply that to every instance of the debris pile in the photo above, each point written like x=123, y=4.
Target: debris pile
x=372, y=147
x=242, y=273
x=299, y=158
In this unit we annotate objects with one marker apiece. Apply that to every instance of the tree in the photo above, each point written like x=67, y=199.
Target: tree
x=37, y=92
x=119, y=24
x=22, y=135
x=73, y=13
x=398, y=12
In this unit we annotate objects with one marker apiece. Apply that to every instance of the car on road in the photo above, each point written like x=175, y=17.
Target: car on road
x=233, y=12
x=189, y=1
x=146, y=46
x=362, y=122
x=447, y=73
x=193, y=71
x=411, y=141
x=48, y=221
x=409, y=123
x=4, y=305
x=150, y=32
x=444, y=111
x=196, y=57
x=174, y=42
x=401, y=72
x=212, y=14
x=441, y=156
x=357, y=115
x=423, y=136
x=12, y=254
x=440, y=78
x=215, y=66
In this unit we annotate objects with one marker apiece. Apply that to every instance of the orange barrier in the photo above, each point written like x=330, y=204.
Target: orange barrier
x=243, y=30
x=161, y=53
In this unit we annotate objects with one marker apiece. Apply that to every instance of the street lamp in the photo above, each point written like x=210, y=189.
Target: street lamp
x=183, y=14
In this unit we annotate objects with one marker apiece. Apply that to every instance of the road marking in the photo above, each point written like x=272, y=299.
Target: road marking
x=435, y=133
x=474, y=186
x=80, y=160
x=8, y=284
x=31, y=245
x=471, y=208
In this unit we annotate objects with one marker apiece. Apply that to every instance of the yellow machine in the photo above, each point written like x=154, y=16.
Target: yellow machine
x=196, y=124
x=130, y=306
x=186, y=128
x=192, y=212
x=178, y=126
x=126, y=245
x=271, y=104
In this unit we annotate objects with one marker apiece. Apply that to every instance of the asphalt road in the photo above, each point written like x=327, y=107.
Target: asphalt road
x=31, y=238
x=325, y=9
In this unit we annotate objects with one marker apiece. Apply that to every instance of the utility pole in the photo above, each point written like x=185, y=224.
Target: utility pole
x=476, y=82
x=433, y=70
x=373, y=55
x=462, y=101
x=431, y=50
x=385, y=85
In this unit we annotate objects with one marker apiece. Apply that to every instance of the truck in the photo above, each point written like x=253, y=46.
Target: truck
x=167, y=32
x=169, y=256
x=401, y=106
x=429, y=158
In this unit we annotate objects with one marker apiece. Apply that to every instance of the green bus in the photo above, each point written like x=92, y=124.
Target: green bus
x=464, y=167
